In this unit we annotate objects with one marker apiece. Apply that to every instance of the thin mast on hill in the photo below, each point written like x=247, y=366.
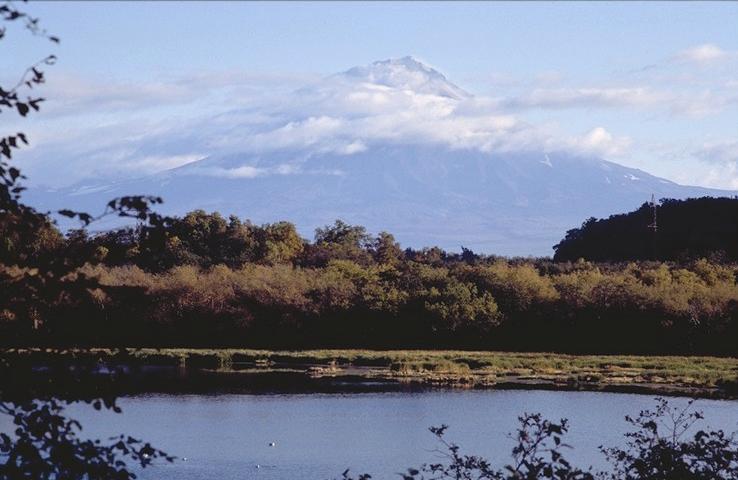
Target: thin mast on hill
x=654, y=225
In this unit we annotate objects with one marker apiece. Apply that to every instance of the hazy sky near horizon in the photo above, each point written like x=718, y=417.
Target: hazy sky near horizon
x=652, y=85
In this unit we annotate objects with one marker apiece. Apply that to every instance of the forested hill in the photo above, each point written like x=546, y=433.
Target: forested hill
x=685, y=229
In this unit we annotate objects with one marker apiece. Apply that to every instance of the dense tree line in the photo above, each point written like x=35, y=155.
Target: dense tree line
x=206, y=280
x=678, y=230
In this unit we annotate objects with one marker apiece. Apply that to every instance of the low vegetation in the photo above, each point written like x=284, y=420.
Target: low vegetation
x=698, y=376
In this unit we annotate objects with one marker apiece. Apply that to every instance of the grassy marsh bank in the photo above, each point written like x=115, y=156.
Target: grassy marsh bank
x=699, y=376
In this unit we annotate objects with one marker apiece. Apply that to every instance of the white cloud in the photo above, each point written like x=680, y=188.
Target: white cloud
x=354, y=147
x=686, y=102
x=723, y=176
x=722, y=152
x=601, y=142
x=702, y=103
x=591, y=97
x=156, y=163
x=343, y=124
x=250, y=171
x=245, y=171
x=74, y=95
x=549, y=78
x=341, y=115
x=711, y=164
x=702, y=54
x=340, y=118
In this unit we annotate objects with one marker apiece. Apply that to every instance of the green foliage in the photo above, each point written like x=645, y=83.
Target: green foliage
x=279, y=243
x=341, y=241
x=456, y=305
x=386, y=250
x=231, y=283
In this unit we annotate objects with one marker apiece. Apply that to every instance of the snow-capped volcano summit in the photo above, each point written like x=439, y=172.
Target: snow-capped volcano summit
x=406, y=73
x=393, y=146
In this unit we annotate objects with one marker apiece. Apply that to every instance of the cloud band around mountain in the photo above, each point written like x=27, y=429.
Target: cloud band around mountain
x=398, y=101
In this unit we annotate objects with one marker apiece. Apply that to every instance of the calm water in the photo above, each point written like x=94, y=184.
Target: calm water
x=318, y=436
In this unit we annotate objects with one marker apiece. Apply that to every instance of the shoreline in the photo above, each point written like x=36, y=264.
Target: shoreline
x=181, y=370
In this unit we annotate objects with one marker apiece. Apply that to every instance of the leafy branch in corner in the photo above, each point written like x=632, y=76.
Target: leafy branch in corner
x=45, y=443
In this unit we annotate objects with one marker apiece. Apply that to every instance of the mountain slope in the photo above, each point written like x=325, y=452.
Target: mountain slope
x=382, y=146
x=514, y=204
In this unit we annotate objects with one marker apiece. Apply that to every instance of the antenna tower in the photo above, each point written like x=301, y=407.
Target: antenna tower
x=654, y=225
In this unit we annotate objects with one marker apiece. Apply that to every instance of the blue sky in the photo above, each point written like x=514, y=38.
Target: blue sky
x=660, y=79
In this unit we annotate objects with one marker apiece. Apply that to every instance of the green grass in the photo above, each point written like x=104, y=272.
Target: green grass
x=479, y=368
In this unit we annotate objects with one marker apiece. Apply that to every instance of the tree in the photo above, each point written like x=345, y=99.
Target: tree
x=386, y=250
x=341, y=241
x=279, y=243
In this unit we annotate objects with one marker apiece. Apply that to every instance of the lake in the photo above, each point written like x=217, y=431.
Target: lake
x=317, y=436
